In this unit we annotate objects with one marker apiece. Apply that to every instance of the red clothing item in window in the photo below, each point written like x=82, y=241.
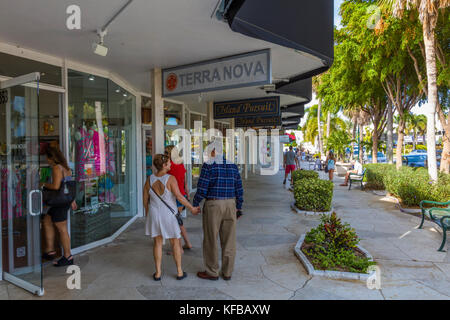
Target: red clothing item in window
x=179, y=172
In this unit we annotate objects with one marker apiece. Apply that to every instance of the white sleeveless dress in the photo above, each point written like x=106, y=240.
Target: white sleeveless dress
x=160, y=220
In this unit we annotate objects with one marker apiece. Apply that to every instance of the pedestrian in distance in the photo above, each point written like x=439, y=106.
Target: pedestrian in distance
x=357, y=169
x=290, y=162
x=331, y=165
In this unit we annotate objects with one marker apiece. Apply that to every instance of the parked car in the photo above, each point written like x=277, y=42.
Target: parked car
x=438, y=158
x=415, y=158
x=381, y=158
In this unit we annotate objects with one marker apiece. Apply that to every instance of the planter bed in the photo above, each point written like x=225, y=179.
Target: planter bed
x=331, y=273
x=308, y=212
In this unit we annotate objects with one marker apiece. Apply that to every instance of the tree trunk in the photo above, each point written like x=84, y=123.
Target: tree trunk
x=328, y=124
x=353, y=138
x=319, y=128
x=401, y=137
x=375, y=145
x=430, y=54
x=445, y=166
x=390, y=134
x=360, y=151
x=414, y=140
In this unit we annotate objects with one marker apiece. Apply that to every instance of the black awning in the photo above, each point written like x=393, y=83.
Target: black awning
x=300, y=88
x=290, y=126
x=304, y=25
x=294, y=119
x=298, y=108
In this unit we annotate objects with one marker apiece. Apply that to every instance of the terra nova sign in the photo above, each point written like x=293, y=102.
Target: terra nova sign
x=243, y=70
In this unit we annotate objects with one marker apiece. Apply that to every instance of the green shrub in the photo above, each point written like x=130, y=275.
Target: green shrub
x=331, y=246
x=313, y=194
x=304, y=174
x=375, y=173
x=412, y=185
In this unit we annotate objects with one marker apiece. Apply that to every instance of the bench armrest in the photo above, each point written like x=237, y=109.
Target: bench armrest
x=433, y=202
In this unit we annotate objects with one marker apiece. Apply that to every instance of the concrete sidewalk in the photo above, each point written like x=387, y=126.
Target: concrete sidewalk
x=266, y=267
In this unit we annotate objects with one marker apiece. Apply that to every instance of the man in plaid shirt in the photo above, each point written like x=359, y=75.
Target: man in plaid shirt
x=220, y=185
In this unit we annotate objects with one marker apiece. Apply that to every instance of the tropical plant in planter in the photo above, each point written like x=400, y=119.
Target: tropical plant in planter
x=333, y=246
x=312, y=194
x=304, y=174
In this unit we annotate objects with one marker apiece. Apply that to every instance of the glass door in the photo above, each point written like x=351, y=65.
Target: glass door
x=21, y=198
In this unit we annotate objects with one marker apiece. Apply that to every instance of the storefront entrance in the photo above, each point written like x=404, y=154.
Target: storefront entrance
x=21, y=198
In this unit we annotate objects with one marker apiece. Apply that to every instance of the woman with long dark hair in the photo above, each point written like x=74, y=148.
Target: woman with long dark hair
x=57, y=216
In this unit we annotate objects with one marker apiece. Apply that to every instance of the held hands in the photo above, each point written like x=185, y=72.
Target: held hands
x=195, y=210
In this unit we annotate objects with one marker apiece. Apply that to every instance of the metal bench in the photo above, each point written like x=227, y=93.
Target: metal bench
x=356, y=178
x=440, y=216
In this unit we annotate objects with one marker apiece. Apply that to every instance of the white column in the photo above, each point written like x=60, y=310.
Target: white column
x=246, y=158
x=139, y=163
x=157, y=112
x=233, y=141
x=210, y=115
x=281, y=155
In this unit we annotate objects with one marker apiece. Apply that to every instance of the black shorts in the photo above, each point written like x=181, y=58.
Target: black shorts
x=58, y=214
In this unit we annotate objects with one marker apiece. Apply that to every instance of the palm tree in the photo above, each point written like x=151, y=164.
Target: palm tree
x=316, y=83
x=428, y=16
x=310, y=128
x=416, y=124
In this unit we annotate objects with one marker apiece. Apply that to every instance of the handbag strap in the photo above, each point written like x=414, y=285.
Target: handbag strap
x=170, y=208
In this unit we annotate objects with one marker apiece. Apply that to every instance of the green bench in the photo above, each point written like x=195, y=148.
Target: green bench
x=356, y=178
x=440, y=216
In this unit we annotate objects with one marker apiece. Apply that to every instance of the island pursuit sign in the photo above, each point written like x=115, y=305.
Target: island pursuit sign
x=249, y=69
x=249, y=108
x=259, y=121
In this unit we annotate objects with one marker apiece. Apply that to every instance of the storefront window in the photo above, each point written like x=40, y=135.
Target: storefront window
x=173, y=114
x=146, y=111
x=195, y=156
x=102, y=152
x=14, y=66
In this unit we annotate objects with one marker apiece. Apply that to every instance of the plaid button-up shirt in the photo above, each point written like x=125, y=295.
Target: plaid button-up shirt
x=219, y=181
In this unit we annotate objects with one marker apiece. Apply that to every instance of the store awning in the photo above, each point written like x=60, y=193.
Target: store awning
x=303, y=25
x=301, y=88
x=295, y=109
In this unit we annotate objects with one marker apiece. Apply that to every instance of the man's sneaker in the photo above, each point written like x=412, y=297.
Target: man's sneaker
x=284, y=181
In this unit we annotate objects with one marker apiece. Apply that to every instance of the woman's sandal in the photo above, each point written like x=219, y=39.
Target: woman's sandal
x=48, y=256
x=155, y=278
x=182, y=277
x=63, y=261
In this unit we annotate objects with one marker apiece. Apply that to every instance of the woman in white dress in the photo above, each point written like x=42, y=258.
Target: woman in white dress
x=161, y=223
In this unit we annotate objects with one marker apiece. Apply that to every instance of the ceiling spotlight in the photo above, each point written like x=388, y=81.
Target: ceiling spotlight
x=117, y=90
x=125, y=95
x=99, y=48
x=91, y=77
